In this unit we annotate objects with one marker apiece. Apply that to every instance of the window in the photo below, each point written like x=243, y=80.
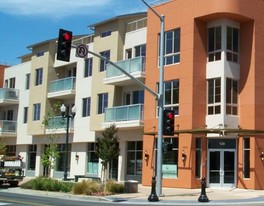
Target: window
x=32, y=154
x=93, y=159
x=171, y=96
x=102, y=103
x=36, y=112
x=214, y=96
x=172, y=47
x=232, y=44
x=214, y=43
x=88, y=67
x=11, y=150
x=62, y=155
x=86, y=106
x=198, y=157
x=103, y=63
x=134, y=158
x=39, y=73
x=138, y=97
x=246, y=158
x=106, y=33
x=170, y=158
x=40, y=53
x=140, y=50
x=25, y=119
x=27, y=81
x=231, y=96
x=128, y=53
x=12, y=82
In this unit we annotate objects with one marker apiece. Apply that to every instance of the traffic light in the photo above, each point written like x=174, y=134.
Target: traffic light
x=168, y=122
x=64, y=45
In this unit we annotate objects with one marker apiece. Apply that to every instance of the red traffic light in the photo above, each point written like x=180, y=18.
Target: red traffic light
x=67, y=36
x=170, y=115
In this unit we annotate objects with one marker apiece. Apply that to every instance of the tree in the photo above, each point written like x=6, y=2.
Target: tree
x=107, y=147
x=51, y=153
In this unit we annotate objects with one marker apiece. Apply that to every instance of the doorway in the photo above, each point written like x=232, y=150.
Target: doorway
x=222, y=164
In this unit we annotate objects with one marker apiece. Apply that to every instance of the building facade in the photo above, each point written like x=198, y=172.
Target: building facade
x=212, y=80
x=214, y=83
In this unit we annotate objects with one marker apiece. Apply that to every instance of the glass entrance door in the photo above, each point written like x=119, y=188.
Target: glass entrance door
x=222, y=172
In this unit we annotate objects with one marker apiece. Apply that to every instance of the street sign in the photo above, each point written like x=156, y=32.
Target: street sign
x=81, y=50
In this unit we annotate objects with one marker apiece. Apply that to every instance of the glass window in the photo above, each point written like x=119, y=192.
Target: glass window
x=88, y=67
x=171, y=96
x=11, y=150
x=62, y=155
x=231, y=96
x=232, y=44
x=214, y=44
x=106, y=33
x=214, y=96
x=12, y=82
x=198, y=157
x=134, y=157
x=93, y=159
x=172, y=47
x=39, y=74
x=170, y=158
x=246, y=158
x=36, y=112
x=140, y=50
x=27, y=81
x=138, y=97
x=86, y=106
x=103, y=63
x=102, y=103
x=32, y=154
x=25, y=119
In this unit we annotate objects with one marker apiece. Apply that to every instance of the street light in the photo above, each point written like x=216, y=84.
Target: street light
x=68, y=116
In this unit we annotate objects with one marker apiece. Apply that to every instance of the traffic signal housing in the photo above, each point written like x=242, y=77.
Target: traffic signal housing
x=168, y=122
x=64, y=45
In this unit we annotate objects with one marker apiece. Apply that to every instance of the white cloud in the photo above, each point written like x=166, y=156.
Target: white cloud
x=51, y=8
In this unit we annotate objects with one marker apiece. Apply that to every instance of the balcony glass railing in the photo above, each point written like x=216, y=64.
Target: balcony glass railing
x=8, y=126
x=124, y=113
x=9, y=93
x=130, y=65
x=58, y=122
x=62, y=85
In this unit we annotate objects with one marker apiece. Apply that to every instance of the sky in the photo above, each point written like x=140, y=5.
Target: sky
x=27, y=22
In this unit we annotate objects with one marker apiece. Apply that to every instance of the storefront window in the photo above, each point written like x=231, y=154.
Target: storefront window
x=246, y=158
x=198, y=157
x=134, y=158
x=92, y=166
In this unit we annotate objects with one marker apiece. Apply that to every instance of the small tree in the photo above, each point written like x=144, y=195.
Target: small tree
x=107, y=147
x=51, y=153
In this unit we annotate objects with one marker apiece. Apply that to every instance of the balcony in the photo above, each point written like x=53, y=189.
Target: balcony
x=62, y=88
x=128, y=116
x=8, y=128
x=135, y=67
x=9, y=96
x=58, y=125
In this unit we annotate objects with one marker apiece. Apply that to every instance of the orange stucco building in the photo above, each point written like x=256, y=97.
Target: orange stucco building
x=213, y=80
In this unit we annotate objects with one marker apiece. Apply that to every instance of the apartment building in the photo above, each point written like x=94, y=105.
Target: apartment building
x=101, y=95
x=213, y=80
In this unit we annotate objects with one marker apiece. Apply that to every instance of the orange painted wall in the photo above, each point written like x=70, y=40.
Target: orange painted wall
x=191, y=16
x=2, y=72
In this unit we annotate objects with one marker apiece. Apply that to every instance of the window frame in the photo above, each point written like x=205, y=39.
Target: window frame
x=214, y=48
x=36, y=111
x=39, y=76
x=214, y=96
x=88, y=67
x=102, y=103
x=86, y=107
x=103, y=63
x=137, y=152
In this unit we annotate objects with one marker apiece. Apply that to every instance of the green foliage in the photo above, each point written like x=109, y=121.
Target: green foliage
x=53, y=111
x=114, y=187
x=107, y=146
x=47, y=184
x=86, y=187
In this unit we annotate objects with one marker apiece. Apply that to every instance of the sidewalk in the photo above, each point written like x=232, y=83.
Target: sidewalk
x=171, y=196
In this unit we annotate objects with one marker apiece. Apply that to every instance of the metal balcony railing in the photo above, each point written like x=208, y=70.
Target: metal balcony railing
x=130, y=65
x=124, y=113
x=58, y=122
x=62, y=85
x=9, y=94
x=7, y=126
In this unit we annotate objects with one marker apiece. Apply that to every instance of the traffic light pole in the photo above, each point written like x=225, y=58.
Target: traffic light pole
x=160, y=100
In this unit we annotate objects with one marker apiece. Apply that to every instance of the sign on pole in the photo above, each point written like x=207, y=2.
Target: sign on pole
x=81, y=50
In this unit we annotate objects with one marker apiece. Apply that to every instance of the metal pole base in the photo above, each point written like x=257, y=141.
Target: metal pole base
x=153, y=197
x=203, y=197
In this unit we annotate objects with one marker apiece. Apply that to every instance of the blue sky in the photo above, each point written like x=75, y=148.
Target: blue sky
x=26, y=22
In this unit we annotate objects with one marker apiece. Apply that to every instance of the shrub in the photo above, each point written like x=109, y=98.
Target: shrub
x=114, y=187
x=86, y=187
x=47, y=184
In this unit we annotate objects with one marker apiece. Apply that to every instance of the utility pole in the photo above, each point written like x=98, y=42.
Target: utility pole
x=160, y=100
